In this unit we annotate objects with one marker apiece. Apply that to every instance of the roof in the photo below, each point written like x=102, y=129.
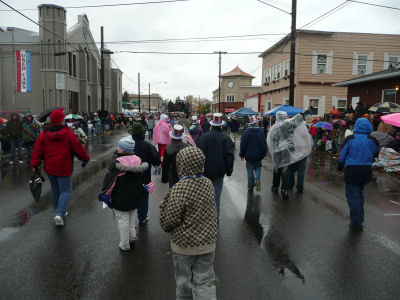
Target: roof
x=237, y=72
x=51, y=5
x=391, y=72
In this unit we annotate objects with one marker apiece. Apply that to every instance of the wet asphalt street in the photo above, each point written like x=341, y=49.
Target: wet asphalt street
x=268, y=248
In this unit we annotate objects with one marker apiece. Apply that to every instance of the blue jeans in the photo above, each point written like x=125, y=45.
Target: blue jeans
x=13, y=143
x=300, y=168
x=61, y=188
x=195, y=277
x=355, y=200
x=218, y=183
x=253, y=167
x=143, y=206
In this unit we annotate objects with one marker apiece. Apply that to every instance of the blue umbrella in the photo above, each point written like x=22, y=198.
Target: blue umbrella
x=244, y=111
x=325, y=125
x=290, y=110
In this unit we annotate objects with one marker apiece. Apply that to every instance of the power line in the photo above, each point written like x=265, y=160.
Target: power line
x=13, y=9
x=274, y=7
x=373, y=4
x=326, y=14
x=109, y=5
x=188, y=39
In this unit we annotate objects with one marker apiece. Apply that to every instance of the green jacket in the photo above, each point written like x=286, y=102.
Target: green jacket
x=14, y=128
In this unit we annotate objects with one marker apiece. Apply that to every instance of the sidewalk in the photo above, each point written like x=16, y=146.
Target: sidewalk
x=16, y=202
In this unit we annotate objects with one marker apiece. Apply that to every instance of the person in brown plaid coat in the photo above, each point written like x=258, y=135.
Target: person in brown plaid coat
x=189, y=214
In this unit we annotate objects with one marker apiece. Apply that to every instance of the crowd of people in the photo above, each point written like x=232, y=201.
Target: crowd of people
x=194, y=153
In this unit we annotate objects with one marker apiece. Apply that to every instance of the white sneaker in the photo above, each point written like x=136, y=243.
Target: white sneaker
x=258, y=185
x=21, y=161
x=11, y=162
x=58, y=221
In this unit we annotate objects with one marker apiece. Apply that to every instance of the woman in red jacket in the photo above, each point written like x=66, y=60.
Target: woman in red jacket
x=57, y=145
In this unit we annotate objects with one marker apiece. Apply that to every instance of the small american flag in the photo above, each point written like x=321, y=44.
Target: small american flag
x=189, y=138
x=150, y=186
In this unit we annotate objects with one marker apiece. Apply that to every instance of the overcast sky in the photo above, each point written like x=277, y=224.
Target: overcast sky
x=197, y=74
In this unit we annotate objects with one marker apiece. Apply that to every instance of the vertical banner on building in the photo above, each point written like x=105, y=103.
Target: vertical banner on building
x=23, y=59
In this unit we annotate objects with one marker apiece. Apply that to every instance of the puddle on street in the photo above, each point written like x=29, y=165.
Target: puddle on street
x=270, y=239
x=6, y=232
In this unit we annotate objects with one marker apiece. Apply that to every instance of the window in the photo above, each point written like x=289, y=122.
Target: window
x=276, y=72
x=321, y=63
x=74, y=64
x=315, y=107
x=269, y=105
x=267, y=75
x=362, y=61
x=342, y=105
x=286, y=101
x=389, y=95
x=230, y=98
x=393, y=60
x=69, y=63
x=287, y=67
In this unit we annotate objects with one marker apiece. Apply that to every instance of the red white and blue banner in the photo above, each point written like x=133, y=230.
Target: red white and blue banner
x=23, y=71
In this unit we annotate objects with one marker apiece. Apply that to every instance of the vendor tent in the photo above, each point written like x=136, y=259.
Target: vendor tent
x=244, y=111
x=290, y=110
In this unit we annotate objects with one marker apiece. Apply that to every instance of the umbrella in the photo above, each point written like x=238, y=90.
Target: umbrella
x=72, y=117
x=244, y=111
x=35, y=184
x=326, y=125
x=383, y=138
x=385, y=107
x=392, y=119
x=43, y=116
x=335, y=112
x=290, y=110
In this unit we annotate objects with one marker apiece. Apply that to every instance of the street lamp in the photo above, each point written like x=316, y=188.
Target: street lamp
x=158, y=103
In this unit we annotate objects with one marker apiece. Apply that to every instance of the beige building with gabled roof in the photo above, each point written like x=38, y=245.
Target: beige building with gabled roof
x=235, y=86
x=322, y=59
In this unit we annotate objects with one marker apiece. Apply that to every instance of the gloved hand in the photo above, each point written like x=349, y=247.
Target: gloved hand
x=340, y=166
x=83, y=164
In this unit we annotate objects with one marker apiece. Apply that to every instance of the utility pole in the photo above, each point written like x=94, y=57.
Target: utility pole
x=102, y=67
x=292, y=53
x=149, y=97
x=219, y=80
x=139, y=89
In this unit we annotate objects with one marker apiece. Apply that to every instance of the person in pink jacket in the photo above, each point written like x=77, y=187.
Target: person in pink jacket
x=161, y=135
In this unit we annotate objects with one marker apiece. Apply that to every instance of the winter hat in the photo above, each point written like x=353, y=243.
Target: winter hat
x=216, y=119
x=127, y=144
x=137, y=128
x=57, y=116
x=177, y=132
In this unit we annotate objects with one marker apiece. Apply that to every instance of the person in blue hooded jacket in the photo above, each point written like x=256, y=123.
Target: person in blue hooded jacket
x=356, y=157
x=253, y=148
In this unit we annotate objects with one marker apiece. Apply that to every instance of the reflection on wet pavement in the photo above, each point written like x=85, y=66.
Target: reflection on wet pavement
x=270, y=239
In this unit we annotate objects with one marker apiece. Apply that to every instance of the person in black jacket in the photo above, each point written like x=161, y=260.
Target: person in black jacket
x=219, y=151
x=206, y=125
x=234, y=126
x=169, y=171
x=147, y=153
x=124, y=184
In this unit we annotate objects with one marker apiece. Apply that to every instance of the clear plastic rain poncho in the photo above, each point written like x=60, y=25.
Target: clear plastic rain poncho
x=288, y=140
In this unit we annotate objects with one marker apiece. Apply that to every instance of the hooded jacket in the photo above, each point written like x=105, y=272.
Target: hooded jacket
x=219, y=151
x=357, y=153
x=147, y=153
x=161, y=133
x=253, y=146
x=30, y=130
x=57, y=145
x=169, y=169
x=127, y=173
x=189, y=211
x=14, y=127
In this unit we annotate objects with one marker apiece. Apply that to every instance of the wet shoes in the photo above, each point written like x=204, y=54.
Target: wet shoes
x=58, y=221
x=144, y=221
x=258, y=185
x=355, y=228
